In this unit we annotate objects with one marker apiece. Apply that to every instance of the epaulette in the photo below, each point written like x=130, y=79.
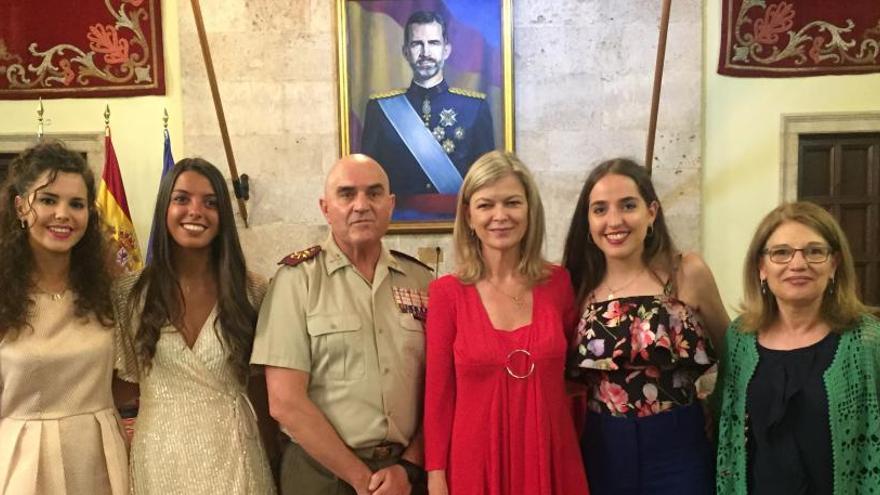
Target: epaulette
x=387, y=94
x=298, y=257
x=468, y=92
x=410, y=258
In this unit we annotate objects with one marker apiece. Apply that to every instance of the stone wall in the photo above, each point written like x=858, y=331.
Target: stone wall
x=583, y=71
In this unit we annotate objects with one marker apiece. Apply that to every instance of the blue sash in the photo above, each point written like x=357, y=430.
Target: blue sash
x=421, y=143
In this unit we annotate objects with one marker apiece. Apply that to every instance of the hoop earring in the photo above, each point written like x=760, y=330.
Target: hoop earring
x=831, y=286
x=764, y=288
x=590, y=238
x=650, y=230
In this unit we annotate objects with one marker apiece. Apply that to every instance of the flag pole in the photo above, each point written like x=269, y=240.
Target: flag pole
x=658, y=82
x=237, y=184
x=40, y=111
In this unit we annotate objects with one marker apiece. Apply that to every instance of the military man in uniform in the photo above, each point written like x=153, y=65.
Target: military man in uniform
x=341, y=336
x=427, y=136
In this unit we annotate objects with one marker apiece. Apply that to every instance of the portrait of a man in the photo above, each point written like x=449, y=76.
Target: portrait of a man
x=425, y=95
x=428, y=135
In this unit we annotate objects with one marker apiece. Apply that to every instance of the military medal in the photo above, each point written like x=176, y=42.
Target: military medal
x=459, y=133
x=411, y=301
x=447, y=117
x=426, y=111
x=439, y=133
x=448, y=145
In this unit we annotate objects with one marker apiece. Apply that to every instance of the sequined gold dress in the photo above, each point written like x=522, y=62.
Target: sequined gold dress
x=196, y=431
x=59, y=431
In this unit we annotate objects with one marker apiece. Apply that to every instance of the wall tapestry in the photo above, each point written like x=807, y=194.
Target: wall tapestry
x=772, y=38
x=64, y=49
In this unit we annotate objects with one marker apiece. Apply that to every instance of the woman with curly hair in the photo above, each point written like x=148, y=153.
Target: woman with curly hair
x=59, y=430
x=189, y=322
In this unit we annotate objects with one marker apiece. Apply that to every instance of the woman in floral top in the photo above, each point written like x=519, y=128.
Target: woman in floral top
x=649, y=319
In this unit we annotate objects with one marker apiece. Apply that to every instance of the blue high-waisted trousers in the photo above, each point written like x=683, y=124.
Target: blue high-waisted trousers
x=667, y=453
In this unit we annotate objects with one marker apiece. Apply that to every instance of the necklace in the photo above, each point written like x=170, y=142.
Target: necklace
x=611, y=291
x=55, y=296
x=518, y=301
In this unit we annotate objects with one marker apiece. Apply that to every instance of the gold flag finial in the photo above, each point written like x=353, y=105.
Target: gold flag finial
x=107, y=120
x=165, y=119
x=40, y=111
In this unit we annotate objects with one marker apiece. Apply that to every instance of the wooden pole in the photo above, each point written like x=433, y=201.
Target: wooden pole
x=658, y=82
x=218, y=106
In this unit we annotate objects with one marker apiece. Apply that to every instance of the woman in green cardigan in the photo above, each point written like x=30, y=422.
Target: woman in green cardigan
x=800, y=374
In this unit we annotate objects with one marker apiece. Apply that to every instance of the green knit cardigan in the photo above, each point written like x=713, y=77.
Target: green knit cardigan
x=852, y=384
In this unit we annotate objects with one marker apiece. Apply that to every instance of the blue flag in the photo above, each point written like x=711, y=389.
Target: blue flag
x=167, y=165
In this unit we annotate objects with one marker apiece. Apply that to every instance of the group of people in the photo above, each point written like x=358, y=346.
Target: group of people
x=510, y=375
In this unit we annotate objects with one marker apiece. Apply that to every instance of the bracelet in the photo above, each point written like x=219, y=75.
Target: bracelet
x=414, y=473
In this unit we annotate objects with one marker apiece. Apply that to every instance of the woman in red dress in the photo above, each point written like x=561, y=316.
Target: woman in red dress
x=497, y=417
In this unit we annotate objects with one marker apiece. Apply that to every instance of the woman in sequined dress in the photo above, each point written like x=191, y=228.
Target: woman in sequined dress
x=190, y=318
x=59, y=430
x=649, y=318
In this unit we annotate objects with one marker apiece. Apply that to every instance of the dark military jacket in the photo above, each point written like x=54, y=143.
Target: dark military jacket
x=459, y=119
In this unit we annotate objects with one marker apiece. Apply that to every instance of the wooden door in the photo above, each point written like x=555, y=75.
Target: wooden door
x=841, y=172
x=5, y=159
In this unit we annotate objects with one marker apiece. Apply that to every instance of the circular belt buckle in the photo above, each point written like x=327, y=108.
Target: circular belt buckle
x=531, y=364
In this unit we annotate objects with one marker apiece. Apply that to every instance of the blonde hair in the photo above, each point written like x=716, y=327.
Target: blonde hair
x=488, y=169
x=840, y=308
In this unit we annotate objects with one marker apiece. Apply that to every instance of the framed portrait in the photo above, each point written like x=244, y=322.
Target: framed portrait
x=425, y=88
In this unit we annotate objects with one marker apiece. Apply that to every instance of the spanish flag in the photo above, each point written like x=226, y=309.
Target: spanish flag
x=115, y=214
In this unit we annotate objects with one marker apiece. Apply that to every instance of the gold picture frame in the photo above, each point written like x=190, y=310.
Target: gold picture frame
x=373, y=66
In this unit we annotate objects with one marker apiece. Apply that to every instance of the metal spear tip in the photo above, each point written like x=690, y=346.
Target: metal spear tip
x=107, y=114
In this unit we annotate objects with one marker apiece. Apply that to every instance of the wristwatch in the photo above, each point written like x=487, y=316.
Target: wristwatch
x=414, y=473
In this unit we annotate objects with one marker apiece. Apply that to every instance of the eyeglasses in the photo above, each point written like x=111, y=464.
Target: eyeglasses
x=817, y=253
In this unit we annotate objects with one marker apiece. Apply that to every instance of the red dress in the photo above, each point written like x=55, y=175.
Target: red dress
x=494, y=433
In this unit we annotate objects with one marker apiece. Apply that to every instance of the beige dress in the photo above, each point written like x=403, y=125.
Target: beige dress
x=59, y=430
x=196, y=431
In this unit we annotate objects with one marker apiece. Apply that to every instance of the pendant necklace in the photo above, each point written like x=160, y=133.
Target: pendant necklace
x=624, y=286
x=55, y=296
x=518, y=301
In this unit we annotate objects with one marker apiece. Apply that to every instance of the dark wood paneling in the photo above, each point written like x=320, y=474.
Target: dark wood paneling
x=841, y=172
x=5, y=159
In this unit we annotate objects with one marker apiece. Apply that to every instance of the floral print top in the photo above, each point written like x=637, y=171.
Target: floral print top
x=640, y=355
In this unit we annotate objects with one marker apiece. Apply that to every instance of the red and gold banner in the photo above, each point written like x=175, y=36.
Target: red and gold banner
x=113, y=205
x=773, y=38
x=64, y=49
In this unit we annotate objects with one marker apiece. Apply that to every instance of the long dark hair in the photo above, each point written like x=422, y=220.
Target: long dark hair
x=586, y=262
x=90, y=278
x=159, y=287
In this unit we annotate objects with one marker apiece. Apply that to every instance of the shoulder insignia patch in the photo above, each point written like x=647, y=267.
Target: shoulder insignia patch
x=410, y=258
x=468, y=92
x=298, y=257
x=387, y=94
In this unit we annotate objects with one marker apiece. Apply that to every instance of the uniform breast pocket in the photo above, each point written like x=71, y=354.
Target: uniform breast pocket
x=413, y=338
x=337, y=347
